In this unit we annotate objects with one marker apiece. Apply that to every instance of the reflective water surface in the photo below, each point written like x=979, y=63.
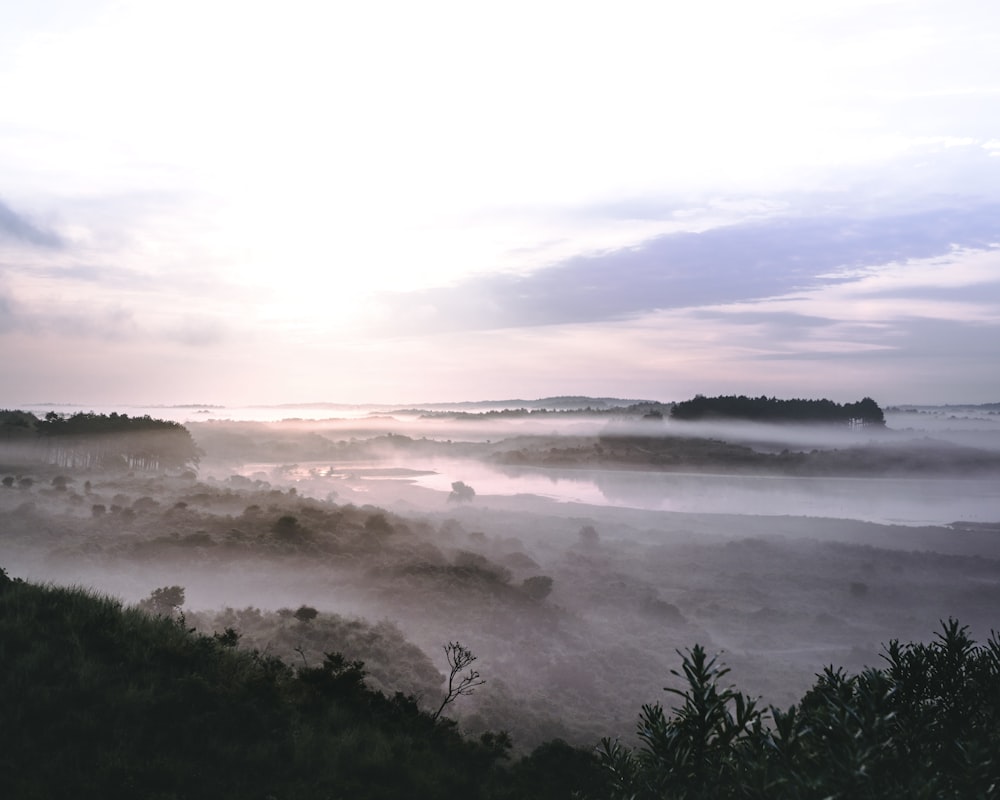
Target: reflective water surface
x=907, y=501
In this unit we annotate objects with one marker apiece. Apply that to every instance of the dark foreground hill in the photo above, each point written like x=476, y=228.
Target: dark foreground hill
x=98, y=700
x=102, y=701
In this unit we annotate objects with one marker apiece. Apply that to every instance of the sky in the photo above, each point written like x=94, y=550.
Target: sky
x=245, y=203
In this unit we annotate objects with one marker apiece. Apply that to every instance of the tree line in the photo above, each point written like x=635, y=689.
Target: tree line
x=86, y=440
x=864, y=413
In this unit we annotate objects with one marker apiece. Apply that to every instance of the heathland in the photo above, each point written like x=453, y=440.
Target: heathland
x=580, y=553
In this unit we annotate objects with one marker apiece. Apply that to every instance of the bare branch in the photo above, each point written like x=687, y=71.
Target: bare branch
x=459, y=657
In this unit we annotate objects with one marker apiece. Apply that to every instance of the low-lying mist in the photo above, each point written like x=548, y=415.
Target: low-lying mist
x=574, y=556
x=983, y=431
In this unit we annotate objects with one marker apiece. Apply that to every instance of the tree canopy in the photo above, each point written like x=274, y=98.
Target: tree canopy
x=863, y=413
x=100, y=441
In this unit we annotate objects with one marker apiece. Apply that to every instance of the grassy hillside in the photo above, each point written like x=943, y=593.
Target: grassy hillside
x=104, y=701
x=99, y=700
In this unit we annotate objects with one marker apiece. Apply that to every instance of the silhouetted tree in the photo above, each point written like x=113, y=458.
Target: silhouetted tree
x=99, y=441
x=461, y=492
x=538, y=587
x=589, y=535
x=287, y=528
x=377, y=524
x=164, y=602
x=459, y=657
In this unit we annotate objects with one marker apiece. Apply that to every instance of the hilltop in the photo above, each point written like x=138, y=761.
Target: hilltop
x=105, y=701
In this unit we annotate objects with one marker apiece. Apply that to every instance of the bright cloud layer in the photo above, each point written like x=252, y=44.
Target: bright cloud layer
x=362, y=202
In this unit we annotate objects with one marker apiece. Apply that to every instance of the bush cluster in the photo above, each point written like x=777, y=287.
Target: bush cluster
x=926, y=725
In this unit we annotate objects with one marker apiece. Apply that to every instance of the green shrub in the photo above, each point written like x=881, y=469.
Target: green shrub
x=927, y=725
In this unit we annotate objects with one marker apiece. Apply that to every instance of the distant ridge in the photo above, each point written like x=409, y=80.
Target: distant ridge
x=559, y=403
x=950, y=406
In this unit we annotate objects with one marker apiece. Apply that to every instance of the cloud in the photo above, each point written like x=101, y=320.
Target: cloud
x=17, y=227
x=8, y=317
x=75, y=319
x=933, y=315
x=109, y=322
x=104, y=277
x=196, y=332
x=723, y=265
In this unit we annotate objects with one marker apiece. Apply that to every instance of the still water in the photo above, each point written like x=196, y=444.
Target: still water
x=901, y=501
x=886, y=500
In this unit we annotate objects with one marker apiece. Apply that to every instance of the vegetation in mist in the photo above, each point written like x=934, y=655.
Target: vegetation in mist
x=102, y=700
x=865, y=412
x=926, y=724
x=98, y=441
x=297, y=595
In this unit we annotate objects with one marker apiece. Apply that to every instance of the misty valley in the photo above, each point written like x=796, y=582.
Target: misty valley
x=578, y=551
